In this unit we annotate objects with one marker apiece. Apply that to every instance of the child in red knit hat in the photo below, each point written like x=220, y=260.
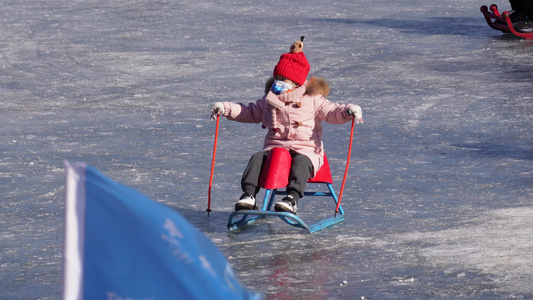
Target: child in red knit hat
x=292, y=110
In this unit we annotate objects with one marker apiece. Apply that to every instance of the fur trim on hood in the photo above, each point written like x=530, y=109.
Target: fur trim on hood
x=314, y=86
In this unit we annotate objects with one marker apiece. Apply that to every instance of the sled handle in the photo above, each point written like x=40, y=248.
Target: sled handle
x=212, y=167
x=346, y=169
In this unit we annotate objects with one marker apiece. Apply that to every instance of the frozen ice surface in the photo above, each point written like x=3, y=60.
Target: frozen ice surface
x=439, y=194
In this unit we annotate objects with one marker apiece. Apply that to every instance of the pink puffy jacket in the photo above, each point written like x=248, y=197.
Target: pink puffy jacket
x=293, y=120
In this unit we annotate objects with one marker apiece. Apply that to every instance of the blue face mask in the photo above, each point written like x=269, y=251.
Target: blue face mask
x=280, y=87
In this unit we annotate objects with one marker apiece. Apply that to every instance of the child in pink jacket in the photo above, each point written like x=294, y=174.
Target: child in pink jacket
x=292, y=110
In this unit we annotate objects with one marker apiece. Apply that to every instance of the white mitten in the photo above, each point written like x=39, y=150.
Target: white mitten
x=218, y=109
x=355, y=111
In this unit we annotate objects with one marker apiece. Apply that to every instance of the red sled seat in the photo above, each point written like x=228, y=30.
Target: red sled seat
x=275, y=172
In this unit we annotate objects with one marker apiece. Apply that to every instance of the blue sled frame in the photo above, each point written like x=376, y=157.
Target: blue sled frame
x=250, y=216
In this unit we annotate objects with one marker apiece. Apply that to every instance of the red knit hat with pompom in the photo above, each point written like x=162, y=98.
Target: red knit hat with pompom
x=293, y=65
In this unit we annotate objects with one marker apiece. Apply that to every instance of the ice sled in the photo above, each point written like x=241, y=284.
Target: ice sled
x=502, y=21
x=274, y=176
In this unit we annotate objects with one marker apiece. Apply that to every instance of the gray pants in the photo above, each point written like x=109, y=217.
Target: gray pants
x=301, y=170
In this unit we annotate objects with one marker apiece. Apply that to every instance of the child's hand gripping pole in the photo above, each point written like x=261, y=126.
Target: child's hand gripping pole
x=346, y=170
x=212, y=167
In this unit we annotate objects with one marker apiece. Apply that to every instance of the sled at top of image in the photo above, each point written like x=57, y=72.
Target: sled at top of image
x=274, y=176
x=502, y=21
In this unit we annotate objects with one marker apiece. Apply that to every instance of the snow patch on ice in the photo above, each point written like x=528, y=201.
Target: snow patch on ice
x=496, y=243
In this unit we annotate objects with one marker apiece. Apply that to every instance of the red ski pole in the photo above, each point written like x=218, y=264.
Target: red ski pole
x=346, y=170
x=212, y=168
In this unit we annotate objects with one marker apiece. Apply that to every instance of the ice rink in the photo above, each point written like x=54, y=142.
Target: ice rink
x=439, y=197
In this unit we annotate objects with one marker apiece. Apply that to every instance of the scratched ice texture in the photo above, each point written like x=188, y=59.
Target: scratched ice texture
x=439, y=194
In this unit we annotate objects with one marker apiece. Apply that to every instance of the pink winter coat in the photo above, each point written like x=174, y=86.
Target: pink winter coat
x=293, y=120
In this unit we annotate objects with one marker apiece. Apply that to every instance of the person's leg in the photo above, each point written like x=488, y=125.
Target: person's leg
x=250, y=181
x=528, y=8
x=522, y=15
x=301, y=170
x=516, y=4
x=520, y=10
x=250, y=176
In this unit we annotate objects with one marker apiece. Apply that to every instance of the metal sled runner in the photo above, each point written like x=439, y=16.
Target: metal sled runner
x=502, y=21
x=274, y=176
